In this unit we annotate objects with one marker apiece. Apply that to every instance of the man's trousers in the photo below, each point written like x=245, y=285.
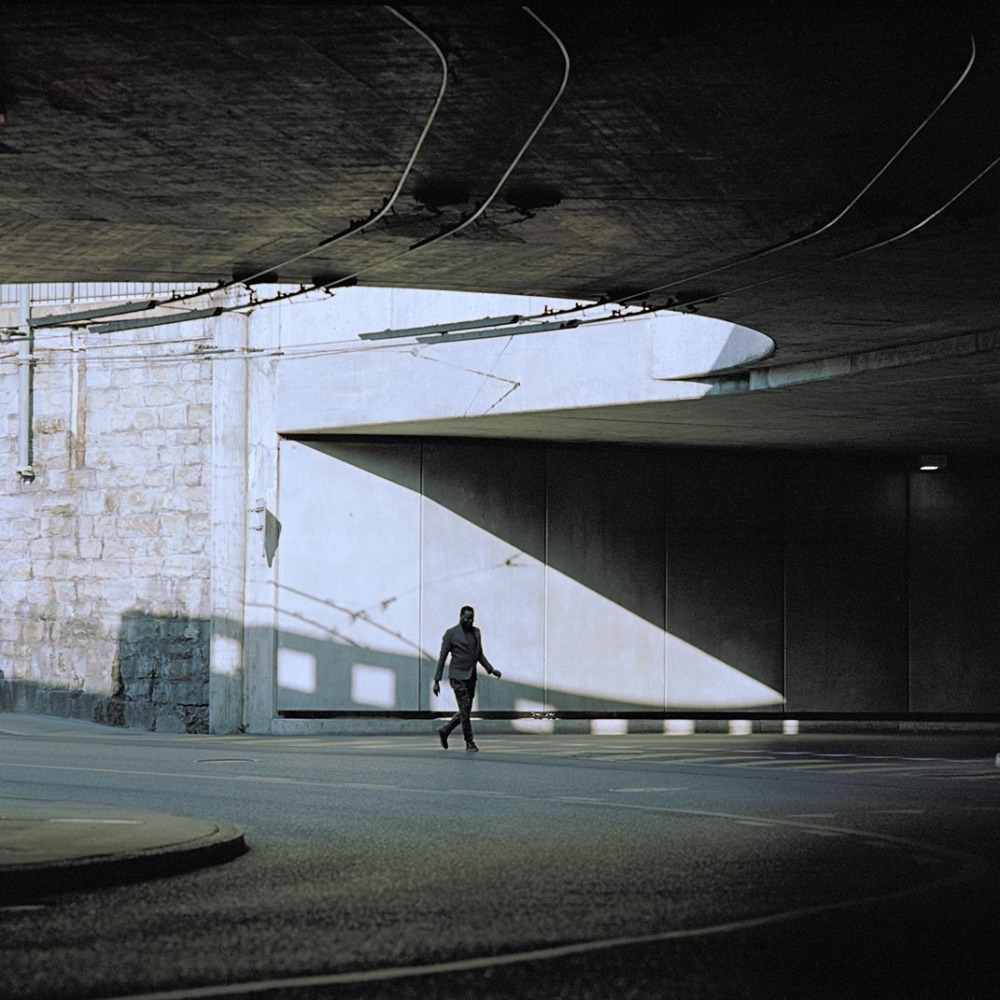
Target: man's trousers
x=465, y=691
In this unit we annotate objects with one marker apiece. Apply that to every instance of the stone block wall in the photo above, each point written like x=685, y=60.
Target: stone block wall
x=104, y=585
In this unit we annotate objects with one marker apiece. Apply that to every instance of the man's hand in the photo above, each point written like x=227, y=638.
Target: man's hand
x=437, y=688
x=496, y=673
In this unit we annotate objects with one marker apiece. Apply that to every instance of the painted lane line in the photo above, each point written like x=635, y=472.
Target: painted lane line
x=777, y=765
x=672, y=788
x=475, y=793
x=99, y=822
x=226, y=760
x=370, y=786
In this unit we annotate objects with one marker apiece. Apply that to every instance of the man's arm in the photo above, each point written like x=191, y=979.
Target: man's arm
x=490, y=669
x=442, y=656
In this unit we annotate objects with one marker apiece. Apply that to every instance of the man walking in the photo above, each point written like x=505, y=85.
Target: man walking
x=464, y=643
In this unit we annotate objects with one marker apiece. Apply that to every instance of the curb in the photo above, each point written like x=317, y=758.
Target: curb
x=43, y=852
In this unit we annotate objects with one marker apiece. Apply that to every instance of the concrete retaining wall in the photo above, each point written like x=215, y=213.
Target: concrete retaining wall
x=105, y=582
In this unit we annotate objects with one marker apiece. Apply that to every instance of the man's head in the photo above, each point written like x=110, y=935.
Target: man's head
x=467, y=616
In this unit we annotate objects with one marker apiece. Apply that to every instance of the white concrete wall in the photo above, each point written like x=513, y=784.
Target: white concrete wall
x=380, y=545
x=386, y=382
x=348, y=593
x=561, y=550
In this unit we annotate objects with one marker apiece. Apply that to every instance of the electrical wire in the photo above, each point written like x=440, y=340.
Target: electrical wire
x=351, y=230
x=450, y=230
x=419, y=245
x=848, y=253
x=352, y=346
x=330, y=348
x=787, y=244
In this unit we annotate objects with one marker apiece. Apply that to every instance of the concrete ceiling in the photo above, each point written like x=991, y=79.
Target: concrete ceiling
x=202, y=142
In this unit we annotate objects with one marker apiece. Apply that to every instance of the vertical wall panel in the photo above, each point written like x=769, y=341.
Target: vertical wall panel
x=483, y=544
x=846, y=593
x=725, y=573
x=954, y=583
x=605, y=583
x=348, y=577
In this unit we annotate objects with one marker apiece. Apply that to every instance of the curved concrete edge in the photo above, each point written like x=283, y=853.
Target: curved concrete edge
x=53, y=847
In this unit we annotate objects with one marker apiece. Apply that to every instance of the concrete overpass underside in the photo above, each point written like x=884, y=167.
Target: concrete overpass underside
x=203, y=143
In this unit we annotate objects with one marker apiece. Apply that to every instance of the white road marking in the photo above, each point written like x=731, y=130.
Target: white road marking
x=98, y=822
x=677, y=788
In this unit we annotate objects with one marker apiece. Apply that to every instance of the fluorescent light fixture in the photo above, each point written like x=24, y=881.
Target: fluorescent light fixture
x=135, y=324
x=933, y=463
x=78, y=317
x=451, y=338
x=414, y=331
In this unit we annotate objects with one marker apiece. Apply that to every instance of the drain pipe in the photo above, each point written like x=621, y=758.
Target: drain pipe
x=25, y=365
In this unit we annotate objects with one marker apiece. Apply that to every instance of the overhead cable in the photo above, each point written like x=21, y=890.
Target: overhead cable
x=323, y=349
x=351, y=230
x=420, y=244
x=463, y=223
x=787, y=244
x=816, y=265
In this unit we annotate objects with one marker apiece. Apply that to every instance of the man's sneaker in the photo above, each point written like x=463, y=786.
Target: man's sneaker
x=443, y=737
x=472, y=748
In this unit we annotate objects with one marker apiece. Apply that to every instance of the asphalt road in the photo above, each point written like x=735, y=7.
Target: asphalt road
x=548, y=866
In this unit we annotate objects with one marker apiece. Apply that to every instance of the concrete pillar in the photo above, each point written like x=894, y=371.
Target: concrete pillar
x=229, y=525
x=263, y=541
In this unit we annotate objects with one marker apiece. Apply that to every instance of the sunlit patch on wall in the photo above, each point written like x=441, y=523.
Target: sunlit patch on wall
x=374, y=686
x=296, y=670
x=227, y=655
x=679, y=727
x=698, y=680
x=533, y=725
x=790, y=727
x=740, y=727
x=609, y=727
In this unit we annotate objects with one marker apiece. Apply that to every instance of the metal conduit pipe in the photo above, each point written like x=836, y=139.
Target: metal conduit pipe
x=25, y=364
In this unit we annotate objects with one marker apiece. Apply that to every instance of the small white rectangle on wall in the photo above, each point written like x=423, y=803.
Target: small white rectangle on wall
x=296, y=670
x=609, y=727
x=374, y=686
x=227, y=655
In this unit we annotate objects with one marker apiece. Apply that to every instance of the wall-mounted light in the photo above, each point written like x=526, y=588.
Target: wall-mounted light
x=932, y=463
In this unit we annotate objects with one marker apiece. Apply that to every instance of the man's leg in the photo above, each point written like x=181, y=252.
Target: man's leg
x=453, y=723
x=464, y=693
